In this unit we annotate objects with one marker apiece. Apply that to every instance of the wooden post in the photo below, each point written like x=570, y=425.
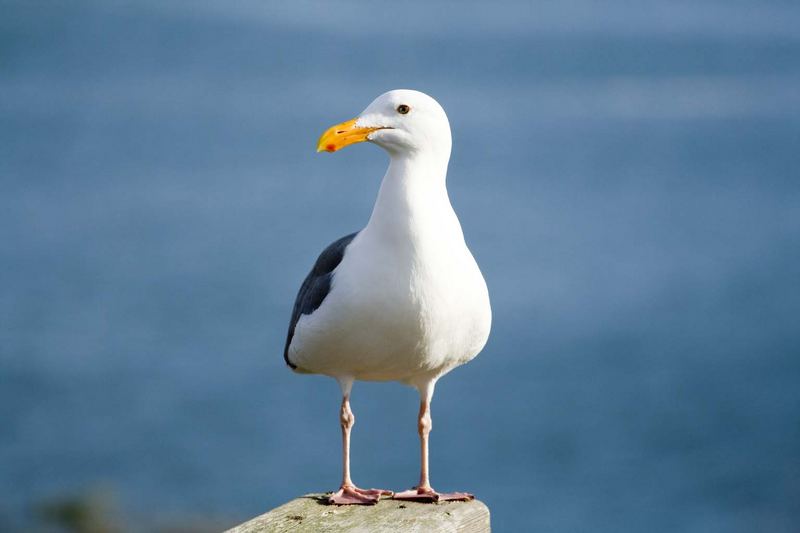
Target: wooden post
x=311, y=513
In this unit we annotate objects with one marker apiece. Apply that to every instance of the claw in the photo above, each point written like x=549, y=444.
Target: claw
x=431, y=496
x=350, y=495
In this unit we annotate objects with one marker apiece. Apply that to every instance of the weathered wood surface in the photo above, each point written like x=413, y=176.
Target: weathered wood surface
x=311, y=513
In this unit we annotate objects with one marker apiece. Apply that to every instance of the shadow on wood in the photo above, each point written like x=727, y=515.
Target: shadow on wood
x=312, y=513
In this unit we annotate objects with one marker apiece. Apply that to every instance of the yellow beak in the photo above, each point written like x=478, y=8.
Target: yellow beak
x=341, y=135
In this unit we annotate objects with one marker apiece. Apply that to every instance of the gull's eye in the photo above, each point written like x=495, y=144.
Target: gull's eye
x=403, y=109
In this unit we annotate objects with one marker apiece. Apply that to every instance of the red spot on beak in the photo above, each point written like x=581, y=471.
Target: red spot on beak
x=331, y=148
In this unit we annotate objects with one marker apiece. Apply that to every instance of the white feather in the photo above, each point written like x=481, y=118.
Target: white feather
x=408, y=301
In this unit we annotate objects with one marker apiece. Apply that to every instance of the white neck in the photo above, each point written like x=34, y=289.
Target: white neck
x=412, y=203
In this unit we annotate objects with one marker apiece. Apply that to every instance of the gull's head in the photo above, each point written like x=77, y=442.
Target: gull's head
x=400, y=121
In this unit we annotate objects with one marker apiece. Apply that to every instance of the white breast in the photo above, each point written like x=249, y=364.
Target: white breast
x=408, y=298
x=390, y=318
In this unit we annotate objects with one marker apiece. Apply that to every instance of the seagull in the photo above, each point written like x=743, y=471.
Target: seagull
x=403, y=299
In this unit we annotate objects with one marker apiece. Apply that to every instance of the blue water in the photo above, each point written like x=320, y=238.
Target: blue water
x=626, y=175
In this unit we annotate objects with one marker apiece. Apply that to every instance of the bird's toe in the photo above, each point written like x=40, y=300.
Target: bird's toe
x=356, y=496
x=431, y=496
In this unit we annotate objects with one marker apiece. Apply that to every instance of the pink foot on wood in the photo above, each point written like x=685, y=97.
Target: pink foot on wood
x=350, y=495
x=431, y=496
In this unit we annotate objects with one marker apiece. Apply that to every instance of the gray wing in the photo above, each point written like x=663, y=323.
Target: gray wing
x=316, y=286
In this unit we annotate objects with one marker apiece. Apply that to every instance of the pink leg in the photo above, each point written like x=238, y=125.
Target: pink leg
x=424, y=492
x=348, y=493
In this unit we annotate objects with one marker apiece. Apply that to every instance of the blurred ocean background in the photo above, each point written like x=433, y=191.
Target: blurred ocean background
x=626, y=174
